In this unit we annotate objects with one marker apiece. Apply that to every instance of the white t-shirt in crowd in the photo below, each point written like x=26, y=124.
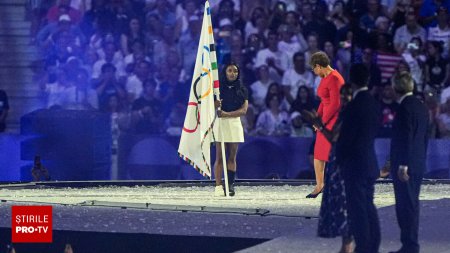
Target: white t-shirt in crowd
x=295, y=80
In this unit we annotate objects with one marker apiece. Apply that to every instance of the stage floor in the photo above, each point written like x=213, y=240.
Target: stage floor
x=279, y=214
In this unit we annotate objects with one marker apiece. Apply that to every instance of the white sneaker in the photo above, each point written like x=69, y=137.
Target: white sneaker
x=218, y=191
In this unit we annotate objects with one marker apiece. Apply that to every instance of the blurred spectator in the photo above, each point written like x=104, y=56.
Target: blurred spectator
x=388, y=107
x=38, y=10
x=296, y=77
x=224, y=41
x=428, y=10
x=63, y=7
x=405, y=33
x=52, y=34
x=299, y=128
x=164, y=10
x=174, y=123
x=107, y=85
x=338, y=12
x=81, y=96
x=278, y=14
x=260, y=87
x=382, y=26
x=110, y=51
x=275, y=89
x=397, y=12
x=189, y=8
x=276, y=59
x=335, y=62
x=149, y=119
x=134, y=84
x=167, y=82
x=4, y=109
x=188, y=44
x=416, y=61
x=137, y=54
x=251, y=26
x=437, y=68
x=153, y=33
x=304, y=100
x=325, y=30
x=134, y=32
x=386, y=59
x=163, y=46
x=306, y=14
x=227, y=10
x=313, y=46
x=287, y=43
x=375, y=73
x=443, y=120
x=441, y=32
x=252, y=47
x=57, y=91
x=292, y=20
x=434, y=110
x=367, y=21
x=98, y=18
x=273, y=121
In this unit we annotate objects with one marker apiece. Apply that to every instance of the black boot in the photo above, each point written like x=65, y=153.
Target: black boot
x=231, y=177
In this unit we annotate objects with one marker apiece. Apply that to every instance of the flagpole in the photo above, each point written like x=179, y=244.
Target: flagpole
x=224, y=158
x=222, y=144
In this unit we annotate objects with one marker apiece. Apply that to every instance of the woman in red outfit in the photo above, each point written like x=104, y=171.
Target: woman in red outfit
x=328, y=111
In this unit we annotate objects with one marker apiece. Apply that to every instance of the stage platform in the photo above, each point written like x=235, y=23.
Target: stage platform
x=180, y=216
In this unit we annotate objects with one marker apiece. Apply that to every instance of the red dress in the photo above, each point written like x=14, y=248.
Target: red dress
x=330, y=104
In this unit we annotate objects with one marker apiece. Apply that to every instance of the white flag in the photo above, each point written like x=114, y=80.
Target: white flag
x=197, y=133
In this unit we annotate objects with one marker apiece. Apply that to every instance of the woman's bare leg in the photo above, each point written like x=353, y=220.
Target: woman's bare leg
x=218, y=164
x=319, y=169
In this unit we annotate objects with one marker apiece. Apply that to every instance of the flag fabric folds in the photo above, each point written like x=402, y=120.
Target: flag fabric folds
x=197, y=133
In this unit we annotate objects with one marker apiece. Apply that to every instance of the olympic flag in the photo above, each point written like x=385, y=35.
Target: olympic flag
x=197, y=133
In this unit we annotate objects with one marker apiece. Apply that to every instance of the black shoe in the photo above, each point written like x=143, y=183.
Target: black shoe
x=313, y=196
x=230, y=189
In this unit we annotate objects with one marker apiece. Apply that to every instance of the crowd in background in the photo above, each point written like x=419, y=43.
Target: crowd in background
x=135, y=58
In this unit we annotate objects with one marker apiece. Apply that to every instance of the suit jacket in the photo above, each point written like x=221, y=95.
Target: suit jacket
x=409, y=136
x=355, y=152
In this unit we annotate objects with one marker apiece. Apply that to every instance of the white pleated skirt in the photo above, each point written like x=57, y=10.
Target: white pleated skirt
x=231, y=128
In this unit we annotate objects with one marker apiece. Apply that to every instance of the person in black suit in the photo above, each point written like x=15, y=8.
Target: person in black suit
x=408, y=154
x=355, y=154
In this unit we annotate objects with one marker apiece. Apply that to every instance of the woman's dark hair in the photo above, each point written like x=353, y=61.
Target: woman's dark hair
x=359, y=75
x=279, y=92
x=298, y=105
x=224, y=79
x=269, y=98
x=252, y=18
x=236, y=83
x=319, y=58
x=305, y=88
x=437, y=45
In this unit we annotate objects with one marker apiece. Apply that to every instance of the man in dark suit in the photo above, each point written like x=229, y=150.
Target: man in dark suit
x=408, y=154
x=355, y=154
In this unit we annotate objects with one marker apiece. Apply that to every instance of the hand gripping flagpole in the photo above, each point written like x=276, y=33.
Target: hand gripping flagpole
x=217, y=93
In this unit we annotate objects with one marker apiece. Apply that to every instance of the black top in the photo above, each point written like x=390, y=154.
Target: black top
x=4, y=105
x=233, y=96
x=437, y=69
